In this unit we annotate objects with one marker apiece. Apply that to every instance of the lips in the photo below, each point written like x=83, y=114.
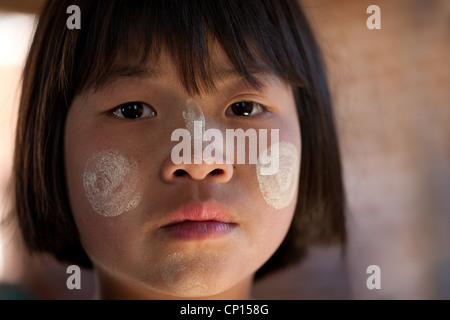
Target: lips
x=199, y=221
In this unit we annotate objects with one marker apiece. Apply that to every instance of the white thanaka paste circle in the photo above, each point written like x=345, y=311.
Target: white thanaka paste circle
x=279, y=189
x=110, y=183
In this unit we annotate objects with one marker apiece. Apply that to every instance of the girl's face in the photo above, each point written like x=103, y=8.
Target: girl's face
x=154, y=227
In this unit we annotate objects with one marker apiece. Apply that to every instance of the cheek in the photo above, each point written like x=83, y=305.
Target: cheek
x=279, y=187
x=110, y=183
x=105, y=192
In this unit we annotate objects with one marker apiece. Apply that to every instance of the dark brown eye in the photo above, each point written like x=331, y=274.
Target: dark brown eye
x=134, y=110
x=245, y=108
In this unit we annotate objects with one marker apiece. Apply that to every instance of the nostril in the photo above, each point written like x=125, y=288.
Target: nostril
x=179, y=173
x=216, y=172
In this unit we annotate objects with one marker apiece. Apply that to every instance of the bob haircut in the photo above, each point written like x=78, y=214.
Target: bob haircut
x=118, y=37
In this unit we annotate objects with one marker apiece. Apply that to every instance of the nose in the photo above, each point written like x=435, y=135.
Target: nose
x=217, y=172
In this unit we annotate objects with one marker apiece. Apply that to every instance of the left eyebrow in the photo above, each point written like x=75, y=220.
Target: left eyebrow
x=262, y=76
x=228, y=72
x=125, y=71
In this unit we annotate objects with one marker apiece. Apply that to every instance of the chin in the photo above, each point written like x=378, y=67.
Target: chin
x=192, y=276
x=195, y=288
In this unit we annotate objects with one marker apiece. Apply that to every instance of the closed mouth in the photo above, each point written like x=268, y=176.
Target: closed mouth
x=189, y=229
x=199, y=221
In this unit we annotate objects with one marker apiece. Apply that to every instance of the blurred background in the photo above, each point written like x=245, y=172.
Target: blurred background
x=391, y=89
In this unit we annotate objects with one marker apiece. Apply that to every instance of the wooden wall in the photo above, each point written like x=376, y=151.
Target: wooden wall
x=391, y=89
x=26, y=6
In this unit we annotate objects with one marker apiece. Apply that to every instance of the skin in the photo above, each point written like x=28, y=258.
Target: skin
x=133, y=259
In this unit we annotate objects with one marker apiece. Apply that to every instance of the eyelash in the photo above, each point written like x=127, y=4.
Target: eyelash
x=147, y=111
x=262, y=108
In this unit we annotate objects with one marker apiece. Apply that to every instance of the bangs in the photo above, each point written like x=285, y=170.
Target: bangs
x=121, y=38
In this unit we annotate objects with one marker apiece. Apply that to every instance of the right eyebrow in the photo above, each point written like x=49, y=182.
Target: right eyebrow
x=124, y=71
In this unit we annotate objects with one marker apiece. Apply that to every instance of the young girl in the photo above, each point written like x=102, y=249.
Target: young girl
x=96, y=181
